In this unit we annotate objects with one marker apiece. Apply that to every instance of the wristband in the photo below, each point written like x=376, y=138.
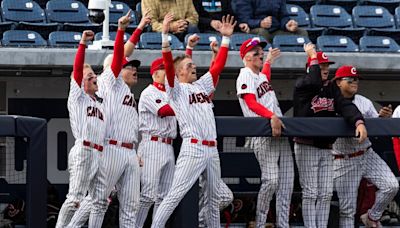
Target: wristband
x=188, y=47
x=164, y=38
x=225, y=40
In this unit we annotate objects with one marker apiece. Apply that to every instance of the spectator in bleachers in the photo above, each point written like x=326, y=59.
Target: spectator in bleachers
x=266, y=18
x=211, y=12
x=185, y=16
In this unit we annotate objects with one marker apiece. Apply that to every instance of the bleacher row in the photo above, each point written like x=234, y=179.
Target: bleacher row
x=332, y=27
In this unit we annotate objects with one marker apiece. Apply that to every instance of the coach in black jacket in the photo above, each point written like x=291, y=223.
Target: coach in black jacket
x=316, y=96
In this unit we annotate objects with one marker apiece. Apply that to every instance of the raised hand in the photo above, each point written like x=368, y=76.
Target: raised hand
x=87, y=35
x=273, y=53
x=124, y=21
x=228, y=25
x=310, y=50
x=193, y=40
x=146, y=19
x=168, y=18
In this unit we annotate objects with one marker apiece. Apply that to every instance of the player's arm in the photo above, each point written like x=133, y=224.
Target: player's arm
x=273, y=54
x=79, y=60
x=228, y=25
x=116, y=64
x=192, y=42
x=166, y=51
x=129, y=46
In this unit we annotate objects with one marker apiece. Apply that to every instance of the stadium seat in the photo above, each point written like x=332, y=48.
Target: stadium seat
x=297, y=13
x=314, y=33
x=372, y=17
x=152, y=40
x=81, y=27
x=112, y=36
x=388, y=4
x=392, y=33
x=205, y=40
x=346, y=4
x=330, y=16
x=305, y=4
x=5, y=26
x=289, y=42
x=397, y=16
x=28, y=15
x=23, y=38
x=353, y=33
x=66, y=11
x=378, y=44
x=119, y=9
x=329, y=43
x=238, y=38
x=138, y=9
x=64, y=39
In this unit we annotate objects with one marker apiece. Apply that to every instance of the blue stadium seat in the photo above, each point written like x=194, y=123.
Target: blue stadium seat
x=372, y=17
x=305, y=4
x=5, y=26
x=392, y=33
x=152, y=40
x=297, y=13
x=388, y=4
x=64, y=39
x=238, y=38
x=378, y=44
x=289, y=42
x=346, y=4
x=314, y=33
x=330, y=16
x=205, y=40
x=119, y=9
x=112, y=36
x=22, y=10
x=397, y=16
x=23, y=38
x=138, y=9
x=81, y=27
x=353, y=33
x=336, y=44
x=66, y=11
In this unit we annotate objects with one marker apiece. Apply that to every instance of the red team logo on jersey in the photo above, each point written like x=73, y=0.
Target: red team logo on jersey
x=129, y=101
x=319, y=104
x=244, y=86
x=95, y=112
x=264, y=88
x=198, y=98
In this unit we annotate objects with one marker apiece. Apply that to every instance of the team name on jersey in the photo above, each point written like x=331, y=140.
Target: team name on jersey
x=94, y=112
x=264, y=88
x=129, y=101
x=319, y=104
x=195, y=98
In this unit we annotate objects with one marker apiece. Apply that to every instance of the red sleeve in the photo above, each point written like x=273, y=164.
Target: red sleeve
x=169, y=67
x=116, y=64
x=135, y=36
x=256, y=107
x=267, y=70
x=396, y=148
x=166, y=110
x=189, y=52
x=219, y=64
x=78, y=64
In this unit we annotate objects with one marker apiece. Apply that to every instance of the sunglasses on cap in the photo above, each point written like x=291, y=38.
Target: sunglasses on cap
x=255, y=41
x=350, y=79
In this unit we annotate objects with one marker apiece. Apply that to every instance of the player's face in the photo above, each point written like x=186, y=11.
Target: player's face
x=348, y=85
x=188, y=70
x=129, y=74
x=89, y=81
x=324, y=71
x=255, y=57
x=160, y=75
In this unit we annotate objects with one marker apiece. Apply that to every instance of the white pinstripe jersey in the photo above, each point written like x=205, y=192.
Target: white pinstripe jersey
x=87, y=117
x=120, y=107
x=150, y=124
x=396, y=112
x=193, y=107
x=351, y=145
x=249, y=82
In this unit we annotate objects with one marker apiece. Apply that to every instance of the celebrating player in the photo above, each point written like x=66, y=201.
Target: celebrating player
x=189, y=97
x=353, y=161
x=88, y=125
x=257, y=98
x=316, y=96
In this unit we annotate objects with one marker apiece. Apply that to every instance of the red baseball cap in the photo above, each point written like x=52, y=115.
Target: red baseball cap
x=322, y=58
x=157, y=64
x=346, y=71
x=127, y=62
x=250, y=44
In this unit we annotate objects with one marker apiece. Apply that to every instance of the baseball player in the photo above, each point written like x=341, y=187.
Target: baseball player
x=353, y=161
x=396, y=140
x=120, y=162
x=188, y=98
x=316, y=96
x=88, y=124
x=257, y=99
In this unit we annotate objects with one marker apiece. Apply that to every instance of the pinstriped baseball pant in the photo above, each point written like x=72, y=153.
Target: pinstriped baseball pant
x=277, y=176
x=156, y=176
x=83, y=164
x=316, y=179
x=121, y=167
x=348, y=174
x=193, y=160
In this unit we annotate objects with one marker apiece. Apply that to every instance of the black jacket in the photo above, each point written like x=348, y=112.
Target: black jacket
x=315, y=98
x=205, y=17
